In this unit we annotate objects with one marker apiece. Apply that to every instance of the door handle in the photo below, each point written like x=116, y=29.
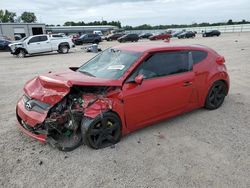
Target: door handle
x=187, y=83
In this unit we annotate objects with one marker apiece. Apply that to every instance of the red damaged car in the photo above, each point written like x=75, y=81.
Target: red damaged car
x=122, y=89
x=161, y=36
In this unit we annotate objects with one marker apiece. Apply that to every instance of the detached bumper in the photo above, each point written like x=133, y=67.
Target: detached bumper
x=27, y=120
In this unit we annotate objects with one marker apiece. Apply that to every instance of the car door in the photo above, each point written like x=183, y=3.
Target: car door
x=45, y=44
x=34, y=45
x=165, y=90
x=90, y=38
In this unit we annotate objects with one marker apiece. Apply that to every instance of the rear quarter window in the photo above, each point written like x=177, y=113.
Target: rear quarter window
x=198, y=56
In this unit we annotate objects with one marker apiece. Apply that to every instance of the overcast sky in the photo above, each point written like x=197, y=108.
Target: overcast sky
x=132, y=12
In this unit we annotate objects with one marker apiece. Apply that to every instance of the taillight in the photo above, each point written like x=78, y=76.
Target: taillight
x=220, y=60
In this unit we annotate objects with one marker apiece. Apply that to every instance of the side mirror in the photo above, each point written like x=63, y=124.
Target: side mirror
x=139, y=79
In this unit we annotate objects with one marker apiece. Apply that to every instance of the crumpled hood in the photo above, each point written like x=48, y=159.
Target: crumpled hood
x=52, y=87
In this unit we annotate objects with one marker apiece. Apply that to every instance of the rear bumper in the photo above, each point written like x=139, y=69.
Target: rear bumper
x=31, y=119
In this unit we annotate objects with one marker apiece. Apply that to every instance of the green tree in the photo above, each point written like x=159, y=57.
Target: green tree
x=7, y=16
x=28, y=17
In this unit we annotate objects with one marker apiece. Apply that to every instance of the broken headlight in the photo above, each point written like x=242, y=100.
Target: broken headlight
x=35, y=105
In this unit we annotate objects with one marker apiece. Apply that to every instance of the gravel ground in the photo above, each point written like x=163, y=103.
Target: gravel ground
x=198, y=149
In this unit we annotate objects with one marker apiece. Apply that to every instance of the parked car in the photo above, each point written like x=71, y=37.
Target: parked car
x=211, y=33
x=98, y=33
x=74, y=37
x=114, y=36
x=145, y=35
x=88, y=38
x=40, y=44
x=161, y=36
x=175, y=34
x=121, y=90
x=186, y=34
x=129, y=38
x=4, y=44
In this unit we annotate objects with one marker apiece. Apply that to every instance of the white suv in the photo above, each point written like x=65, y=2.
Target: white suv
x=41, y=44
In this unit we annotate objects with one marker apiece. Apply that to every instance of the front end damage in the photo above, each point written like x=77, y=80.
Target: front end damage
x=55, y=117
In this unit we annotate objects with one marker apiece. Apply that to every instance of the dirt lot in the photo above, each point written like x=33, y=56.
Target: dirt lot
x=199, y=149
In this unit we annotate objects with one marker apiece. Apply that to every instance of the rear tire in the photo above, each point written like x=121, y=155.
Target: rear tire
x=216, y=95
x=63, y=49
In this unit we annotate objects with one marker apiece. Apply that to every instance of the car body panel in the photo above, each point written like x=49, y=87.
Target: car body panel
x=156, y=97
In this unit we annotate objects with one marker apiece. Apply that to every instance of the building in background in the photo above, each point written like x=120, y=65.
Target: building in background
x=16, y=31
x=80, y=29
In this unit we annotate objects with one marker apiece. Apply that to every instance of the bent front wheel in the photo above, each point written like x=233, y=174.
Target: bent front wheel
x=102, y=131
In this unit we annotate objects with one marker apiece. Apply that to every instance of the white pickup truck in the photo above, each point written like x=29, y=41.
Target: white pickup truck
x=41, y=44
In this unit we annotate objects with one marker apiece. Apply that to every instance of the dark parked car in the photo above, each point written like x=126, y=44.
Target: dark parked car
x=186, y=34
x=129, y=38
x=88, y=38
x=114, y=36
x=145, y=35
x=211, y=33
x=175, y=34
x=4, y=44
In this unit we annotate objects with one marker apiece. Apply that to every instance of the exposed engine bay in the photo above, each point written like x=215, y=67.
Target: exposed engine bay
x=63, y=123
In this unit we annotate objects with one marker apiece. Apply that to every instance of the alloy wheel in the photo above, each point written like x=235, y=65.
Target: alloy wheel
x=104, y=132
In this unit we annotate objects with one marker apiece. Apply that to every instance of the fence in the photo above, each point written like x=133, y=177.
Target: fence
x=222, y=28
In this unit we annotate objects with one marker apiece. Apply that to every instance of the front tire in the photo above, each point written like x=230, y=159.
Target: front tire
x=102, y=131
x=21, y=54
x=216, y=95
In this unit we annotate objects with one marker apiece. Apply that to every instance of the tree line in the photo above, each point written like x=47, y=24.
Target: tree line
x=8, y=16
x=103, y=22
x=149, y=27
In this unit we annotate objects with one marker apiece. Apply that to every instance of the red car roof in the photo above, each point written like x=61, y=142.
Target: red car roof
x=145, y=47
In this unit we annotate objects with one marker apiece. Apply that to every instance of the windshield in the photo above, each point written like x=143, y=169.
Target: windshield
x=110, y=64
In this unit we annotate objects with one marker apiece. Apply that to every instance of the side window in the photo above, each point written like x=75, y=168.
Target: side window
x=34, y=39
x=198, y=56
x=43, y=38
x=167, y=63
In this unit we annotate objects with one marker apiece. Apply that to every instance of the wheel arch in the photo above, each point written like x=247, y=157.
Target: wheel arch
x=18, y=50
x=211, y=84
x=63, y=44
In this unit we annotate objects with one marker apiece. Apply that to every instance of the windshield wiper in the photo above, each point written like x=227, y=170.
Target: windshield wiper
x=87, y=73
